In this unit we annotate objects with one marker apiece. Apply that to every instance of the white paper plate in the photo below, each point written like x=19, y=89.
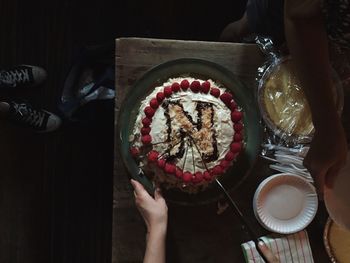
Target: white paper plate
x=285, y=203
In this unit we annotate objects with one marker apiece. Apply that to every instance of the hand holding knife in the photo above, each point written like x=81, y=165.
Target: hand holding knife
x=262, y=248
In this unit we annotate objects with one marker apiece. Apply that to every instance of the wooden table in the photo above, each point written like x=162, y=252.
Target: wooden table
x=198, y=233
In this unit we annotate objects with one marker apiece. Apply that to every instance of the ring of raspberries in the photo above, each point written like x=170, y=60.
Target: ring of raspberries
x=169, y=167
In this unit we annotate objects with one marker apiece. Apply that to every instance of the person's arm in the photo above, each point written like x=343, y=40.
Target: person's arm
x=155, y=214
x=307, y=41
x=235, y=31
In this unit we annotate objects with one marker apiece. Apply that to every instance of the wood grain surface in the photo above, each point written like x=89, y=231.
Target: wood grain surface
x=197, y=233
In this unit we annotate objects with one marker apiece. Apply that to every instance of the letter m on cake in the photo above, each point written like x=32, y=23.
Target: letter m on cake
x=196, y=129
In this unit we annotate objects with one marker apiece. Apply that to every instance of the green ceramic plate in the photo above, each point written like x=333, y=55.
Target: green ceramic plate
x=201, y=69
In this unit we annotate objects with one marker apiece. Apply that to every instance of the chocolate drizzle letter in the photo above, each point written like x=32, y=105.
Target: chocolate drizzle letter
x=180, y=125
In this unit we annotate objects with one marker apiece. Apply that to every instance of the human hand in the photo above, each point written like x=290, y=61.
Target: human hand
x=271, y=258
x=153, y=210
x=327, y=155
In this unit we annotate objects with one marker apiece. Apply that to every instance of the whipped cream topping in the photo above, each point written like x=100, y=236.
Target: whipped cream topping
x=194, y=141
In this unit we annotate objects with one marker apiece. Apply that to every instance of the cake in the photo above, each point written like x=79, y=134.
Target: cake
x=188, y=131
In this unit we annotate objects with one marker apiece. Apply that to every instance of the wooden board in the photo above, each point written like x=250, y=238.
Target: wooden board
x=195, y=234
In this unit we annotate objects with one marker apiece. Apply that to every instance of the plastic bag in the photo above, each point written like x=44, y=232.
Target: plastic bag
x=286, y=112
x=282, y=102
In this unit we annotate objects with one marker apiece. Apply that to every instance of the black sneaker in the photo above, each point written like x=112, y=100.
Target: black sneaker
x=22, y=76
x=37, y=119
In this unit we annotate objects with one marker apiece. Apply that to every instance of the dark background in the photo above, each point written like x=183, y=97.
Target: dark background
x=56, y=189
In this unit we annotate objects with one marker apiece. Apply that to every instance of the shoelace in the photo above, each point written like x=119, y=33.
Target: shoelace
x=12, y=77
x=29, y=115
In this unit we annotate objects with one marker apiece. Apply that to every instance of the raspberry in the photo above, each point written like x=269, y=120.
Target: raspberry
x=207, y=176
x=175, y=87
x=154, y=103
x=236, y=147
x=161, y=163
x=146, y=122
x=146, y=139
x=205, y=87
x=170, y=168
x=237, y=137
x=149, y=112
x=230, y=156
x=211, y=172
x=218, y=170
x=178, y=173
x=233, y=105
x=152, y=156
x=224, y=164
x=195, y=86
x=226, y=98
x=236, y=116
x=197, y=178
x=134, y=151
x=160, y=97
x=167, y=91
x=215, y=92
x=238, y=127
x=184, y=84
x=187, y=177
x=145, y=131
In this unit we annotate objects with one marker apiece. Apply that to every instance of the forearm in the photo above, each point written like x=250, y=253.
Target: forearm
x=307, y=42
x=155, y=247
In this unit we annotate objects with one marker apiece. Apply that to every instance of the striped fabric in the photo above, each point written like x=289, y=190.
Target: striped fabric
x=294, y=248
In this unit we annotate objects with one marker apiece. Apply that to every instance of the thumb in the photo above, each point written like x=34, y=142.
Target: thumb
x=267, y=253
x=138, y=188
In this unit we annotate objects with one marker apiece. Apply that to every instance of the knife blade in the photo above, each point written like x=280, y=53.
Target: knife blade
x=250, y=230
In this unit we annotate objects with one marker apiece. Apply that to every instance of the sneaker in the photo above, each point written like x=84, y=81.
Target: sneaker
x=25, y=115
x=22, y=76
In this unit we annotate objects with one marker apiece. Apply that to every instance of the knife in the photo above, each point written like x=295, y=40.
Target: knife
x=251, y=232
x=264, y=251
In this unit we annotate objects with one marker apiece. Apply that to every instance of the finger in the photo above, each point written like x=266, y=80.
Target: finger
x=138, y=188
x=158, y=194
x=267, y=253
x=142, y=197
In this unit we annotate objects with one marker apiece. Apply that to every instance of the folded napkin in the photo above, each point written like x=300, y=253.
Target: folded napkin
x=287, y=248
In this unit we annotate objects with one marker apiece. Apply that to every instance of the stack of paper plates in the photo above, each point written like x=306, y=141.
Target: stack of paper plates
x=285, y=203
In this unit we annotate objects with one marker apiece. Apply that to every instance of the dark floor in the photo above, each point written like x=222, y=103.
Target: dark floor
x=56, y=189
